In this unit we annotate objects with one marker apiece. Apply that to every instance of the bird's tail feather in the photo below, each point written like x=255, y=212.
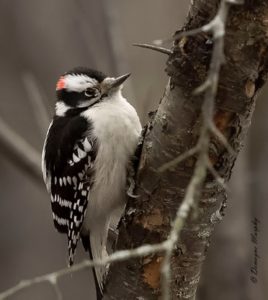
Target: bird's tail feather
x=99, y=290
x=98, y=283
x=96, y=244
x=98, y=239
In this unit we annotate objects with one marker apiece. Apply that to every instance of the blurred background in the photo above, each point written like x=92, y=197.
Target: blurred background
x=39, y=40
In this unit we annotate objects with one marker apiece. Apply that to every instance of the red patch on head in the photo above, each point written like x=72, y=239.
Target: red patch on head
x=60, y=84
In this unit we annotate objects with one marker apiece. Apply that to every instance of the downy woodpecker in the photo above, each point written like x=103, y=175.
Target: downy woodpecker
x=85, y=158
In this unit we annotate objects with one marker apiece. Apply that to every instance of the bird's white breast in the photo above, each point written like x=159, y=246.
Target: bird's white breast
x=117, y=128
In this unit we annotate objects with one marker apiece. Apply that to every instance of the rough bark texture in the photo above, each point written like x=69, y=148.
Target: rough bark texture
x=173, y=130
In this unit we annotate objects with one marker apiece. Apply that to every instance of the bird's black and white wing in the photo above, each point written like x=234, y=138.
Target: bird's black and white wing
x=68, y=171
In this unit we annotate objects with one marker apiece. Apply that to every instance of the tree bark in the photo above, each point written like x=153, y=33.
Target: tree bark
x=230, y=249
x=173, y=130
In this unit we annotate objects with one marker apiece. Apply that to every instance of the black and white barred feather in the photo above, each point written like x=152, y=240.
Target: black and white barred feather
x=68, y=161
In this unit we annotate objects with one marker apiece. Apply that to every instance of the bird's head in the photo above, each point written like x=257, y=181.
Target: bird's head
x=81, y=88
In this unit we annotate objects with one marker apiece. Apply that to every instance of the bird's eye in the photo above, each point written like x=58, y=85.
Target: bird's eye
x=90, y=93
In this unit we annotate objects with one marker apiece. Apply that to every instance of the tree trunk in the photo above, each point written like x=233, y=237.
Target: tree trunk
x=230, y=248
x=173, y=130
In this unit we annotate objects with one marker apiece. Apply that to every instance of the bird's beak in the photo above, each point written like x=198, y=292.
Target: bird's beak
x=113, y=83
x=119, y=80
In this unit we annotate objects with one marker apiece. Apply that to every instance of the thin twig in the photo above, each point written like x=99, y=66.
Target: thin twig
x=37, y=102
x=19, y=151
x=216, y=175
x=52, y=278
x=54, y=282
x=178, y=159
x=222, y=138
x=215, y=25
x=184, y=210
x=154, y=48
x=182, y=215
x=203, y=87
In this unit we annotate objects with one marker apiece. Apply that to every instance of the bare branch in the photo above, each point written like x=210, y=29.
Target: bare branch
x=179, y=159
x=216, y=25
x=52, y=278
x=216, y=175
x=221, y=138
x=182, y=215
x=54, y=282
x=154, y=48
x=37, y=102
x=203, y=87
x=19, y=151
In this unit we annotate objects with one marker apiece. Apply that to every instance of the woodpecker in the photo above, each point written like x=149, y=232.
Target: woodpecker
x=88, y=148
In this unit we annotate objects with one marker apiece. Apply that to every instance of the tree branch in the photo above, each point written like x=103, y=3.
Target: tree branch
x=19, y=151
x=154, y=48
x=52, y=278
x=174, y=130
x=37, y=102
